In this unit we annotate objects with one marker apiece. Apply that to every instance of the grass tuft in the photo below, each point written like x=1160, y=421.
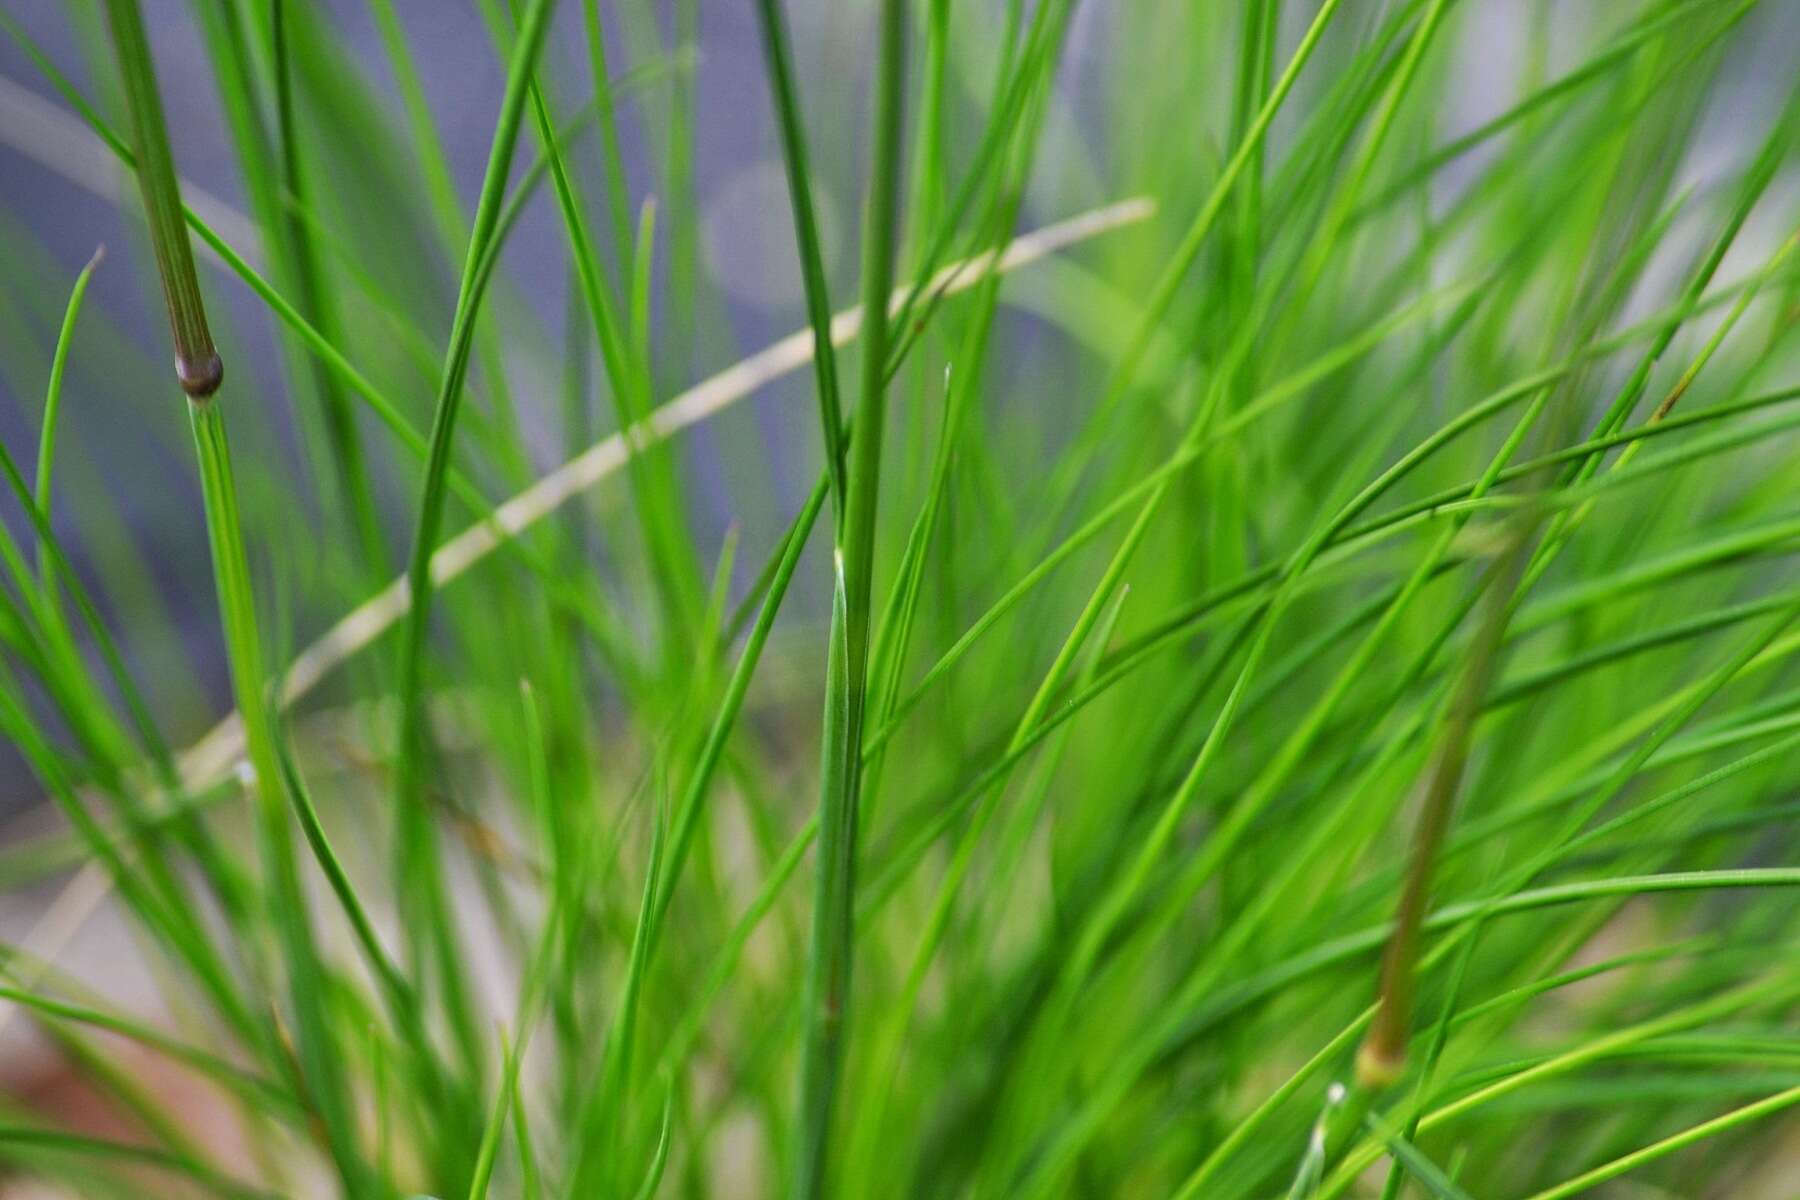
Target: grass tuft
x=1299, y=696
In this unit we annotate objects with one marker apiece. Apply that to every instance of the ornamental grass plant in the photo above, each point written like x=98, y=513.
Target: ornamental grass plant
x=900, y=599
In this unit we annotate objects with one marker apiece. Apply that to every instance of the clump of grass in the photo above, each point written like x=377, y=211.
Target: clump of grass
x=1298, y=696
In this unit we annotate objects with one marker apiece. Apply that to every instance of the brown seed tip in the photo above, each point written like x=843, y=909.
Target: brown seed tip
x=1377, y=1067
x=201, y=379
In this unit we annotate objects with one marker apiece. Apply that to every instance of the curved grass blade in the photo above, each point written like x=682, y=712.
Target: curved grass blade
x=418, y=868
x=46, y=459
